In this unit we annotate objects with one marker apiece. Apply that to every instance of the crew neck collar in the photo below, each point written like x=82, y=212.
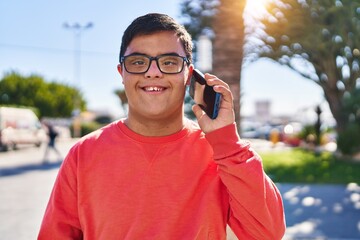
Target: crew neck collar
x=154, y=140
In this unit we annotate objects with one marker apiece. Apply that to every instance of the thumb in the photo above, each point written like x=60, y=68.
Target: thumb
x=197, y=111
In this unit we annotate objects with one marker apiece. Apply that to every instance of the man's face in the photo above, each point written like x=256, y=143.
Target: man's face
x=155, y=95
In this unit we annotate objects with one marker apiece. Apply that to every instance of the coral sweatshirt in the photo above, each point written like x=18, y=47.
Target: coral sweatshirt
x=116, y=184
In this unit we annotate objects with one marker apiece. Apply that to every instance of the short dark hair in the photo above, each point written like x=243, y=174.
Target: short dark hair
x=152, y=23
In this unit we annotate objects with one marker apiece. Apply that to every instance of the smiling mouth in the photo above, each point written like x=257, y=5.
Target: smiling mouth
x=153, y=89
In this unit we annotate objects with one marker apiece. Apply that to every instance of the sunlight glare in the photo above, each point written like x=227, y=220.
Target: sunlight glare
x=256, y=6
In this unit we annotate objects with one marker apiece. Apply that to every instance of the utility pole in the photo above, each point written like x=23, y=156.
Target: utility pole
x=77, y=29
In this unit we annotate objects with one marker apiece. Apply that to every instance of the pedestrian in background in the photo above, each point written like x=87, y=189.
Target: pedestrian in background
x=156, y=174
x=52, y=135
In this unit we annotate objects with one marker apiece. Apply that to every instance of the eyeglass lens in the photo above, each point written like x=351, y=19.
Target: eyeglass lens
x=166, y=63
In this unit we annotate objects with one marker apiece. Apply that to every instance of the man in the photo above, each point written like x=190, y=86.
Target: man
x=52, y=135
x=156, y=174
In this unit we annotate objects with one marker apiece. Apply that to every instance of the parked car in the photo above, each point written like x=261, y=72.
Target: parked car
x=19, y=126
x=292, y=134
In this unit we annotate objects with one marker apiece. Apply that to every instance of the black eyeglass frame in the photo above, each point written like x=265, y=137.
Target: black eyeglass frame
x=185, y=60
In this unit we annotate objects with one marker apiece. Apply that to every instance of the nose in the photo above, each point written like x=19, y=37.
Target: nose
x=153, y=71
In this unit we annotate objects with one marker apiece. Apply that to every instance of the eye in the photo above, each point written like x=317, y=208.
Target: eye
x=137, y=60
x=169, y=61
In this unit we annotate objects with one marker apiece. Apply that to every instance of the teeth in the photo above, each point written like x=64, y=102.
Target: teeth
x=153, y=89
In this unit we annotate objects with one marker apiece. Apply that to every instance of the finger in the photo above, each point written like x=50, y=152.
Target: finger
x=210, y=76
x=225, y=93
x=221, y=86
x=199, y=113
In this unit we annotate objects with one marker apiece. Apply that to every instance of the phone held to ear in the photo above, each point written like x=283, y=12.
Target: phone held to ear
x=204, y=95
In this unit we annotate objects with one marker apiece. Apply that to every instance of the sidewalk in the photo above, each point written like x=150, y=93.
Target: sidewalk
x=318, y=211
x=322, y=211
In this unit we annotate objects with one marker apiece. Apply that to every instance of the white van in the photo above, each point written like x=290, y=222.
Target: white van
x=19, y=126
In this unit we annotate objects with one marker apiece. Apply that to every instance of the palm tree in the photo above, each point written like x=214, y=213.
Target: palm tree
x=228, y=26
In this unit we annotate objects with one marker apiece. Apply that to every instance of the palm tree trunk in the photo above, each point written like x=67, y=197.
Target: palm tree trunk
x=228, y=48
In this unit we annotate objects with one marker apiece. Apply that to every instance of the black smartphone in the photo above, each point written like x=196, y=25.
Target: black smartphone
x=204, y=95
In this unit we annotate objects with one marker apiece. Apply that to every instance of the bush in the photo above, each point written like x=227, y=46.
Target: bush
x=349, y=141
x=87, y=128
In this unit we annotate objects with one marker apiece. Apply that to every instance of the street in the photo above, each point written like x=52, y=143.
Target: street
x=25, y=186
x=312, y=211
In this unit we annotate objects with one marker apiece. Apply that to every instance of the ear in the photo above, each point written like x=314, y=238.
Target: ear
x=120, y=70
x=191, y=68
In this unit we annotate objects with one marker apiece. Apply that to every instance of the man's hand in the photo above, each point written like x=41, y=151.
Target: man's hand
x=226, y=114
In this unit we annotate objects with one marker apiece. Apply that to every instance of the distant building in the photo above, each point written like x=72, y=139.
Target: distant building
x=204, y=54
x=262, y=111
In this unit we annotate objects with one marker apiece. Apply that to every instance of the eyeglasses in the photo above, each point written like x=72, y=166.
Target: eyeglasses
x=167, y=63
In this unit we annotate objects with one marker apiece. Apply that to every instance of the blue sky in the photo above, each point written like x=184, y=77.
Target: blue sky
x=33, y=40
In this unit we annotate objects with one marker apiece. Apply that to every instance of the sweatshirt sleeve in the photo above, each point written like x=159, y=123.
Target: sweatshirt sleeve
x=61, y=220
x=256, y=208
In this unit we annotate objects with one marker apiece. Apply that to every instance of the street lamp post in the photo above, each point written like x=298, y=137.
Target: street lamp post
x=78, y=30
x=318, y=125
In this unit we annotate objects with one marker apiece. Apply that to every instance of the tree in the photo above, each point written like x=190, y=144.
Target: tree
x=320, y=40
x=123, y=99
x=228, y=46
x=198, y=16
x=223, y=21
x=51, y=99
x=349, y=139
